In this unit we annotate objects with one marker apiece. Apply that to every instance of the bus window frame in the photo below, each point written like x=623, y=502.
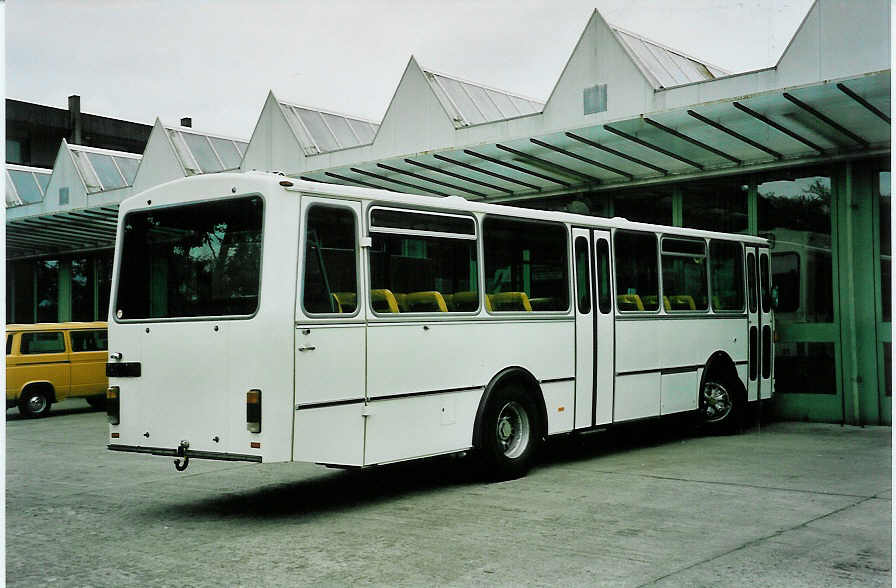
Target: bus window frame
x=344, y=205
x=667, y=237
x=475, y=237
x=116, y=263
x=657, y=238
x=744, y=282
x=570, y=270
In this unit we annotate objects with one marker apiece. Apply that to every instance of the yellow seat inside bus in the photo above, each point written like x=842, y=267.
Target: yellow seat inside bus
x=382, y=300
x=680, y=302
x=345, y=301
x=510, y=301
x=430, y=301
x=629, y=302
x=463, y=301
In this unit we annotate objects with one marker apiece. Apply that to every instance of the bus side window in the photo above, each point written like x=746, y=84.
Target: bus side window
x=331, y=277
x=751, y=280
x=684, y=275
x=637, y=271
x=727, y=275
x=422, y=262
x=604, y=302
x=526, y=265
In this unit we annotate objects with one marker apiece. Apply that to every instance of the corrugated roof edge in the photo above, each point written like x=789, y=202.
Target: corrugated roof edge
x=492, y=88
x=722, y=71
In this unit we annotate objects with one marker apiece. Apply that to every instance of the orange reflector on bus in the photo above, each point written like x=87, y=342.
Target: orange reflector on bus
x=561, y=408
x=116, y=435
x=255, y=445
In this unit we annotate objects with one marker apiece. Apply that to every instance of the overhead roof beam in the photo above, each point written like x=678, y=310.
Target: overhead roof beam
x=485, y=171
x=350, y=180
x=691, y=140
x=101, y=220
x=517, y=168
x=618, y=153
x=458, y=176
x=875, y=110
x=832, y=123
x=735, y=134
x=583, y=158
x=425, y=179
x=31, y=237
x=778, y=127
x=656, y=148
x=399, y=182
x=73, y=233
x=548, y=165
x=71, y=227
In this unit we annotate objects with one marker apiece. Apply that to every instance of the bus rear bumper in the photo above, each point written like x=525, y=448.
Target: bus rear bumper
x=186, y=453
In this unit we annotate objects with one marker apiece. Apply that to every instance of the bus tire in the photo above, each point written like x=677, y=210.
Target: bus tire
x=509, y=434
x=34, y=402
x=720, y=406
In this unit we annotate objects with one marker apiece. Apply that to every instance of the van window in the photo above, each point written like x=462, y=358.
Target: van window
x=89, y=340
x=9, y=344
x=42, y=343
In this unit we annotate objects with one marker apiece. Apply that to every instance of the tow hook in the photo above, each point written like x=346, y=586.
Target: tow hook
x=182, y=452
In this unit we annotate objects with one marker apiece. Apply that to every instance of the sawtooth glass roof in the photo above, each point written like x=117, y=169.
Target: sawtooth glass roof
x=319, y=131
x=104, y=169
x=665, y=67
x=201, y=153
x=472, y=104
x=25, y=184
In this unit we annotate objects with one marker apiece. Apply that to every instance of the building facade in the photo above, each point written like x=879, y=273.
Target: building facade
x=798, y=152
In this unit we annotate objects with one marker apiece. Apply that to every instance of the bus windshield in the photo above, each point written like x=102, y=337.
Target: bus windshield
x=194, y=260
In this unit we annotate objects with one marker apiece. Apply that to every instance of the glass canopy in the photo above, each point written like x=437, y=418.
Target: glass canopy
x=201, y=153
x=103, y=169
x=321, y=132
x=25, y=184
x=471, y=104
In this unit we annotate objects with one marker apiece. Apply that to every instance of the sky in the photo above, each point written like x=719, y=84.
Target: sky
x=215, y=61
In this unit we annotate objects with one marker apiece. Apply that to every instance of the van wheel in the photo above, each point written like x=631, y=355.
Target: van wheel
x=34, y=403
x=720, y=407
x=510, y=434
x=96, y=401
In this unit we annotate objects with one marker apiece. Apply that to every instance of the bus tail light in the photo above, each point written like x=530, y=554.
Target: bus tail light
x=253, y=411
x=113, y=406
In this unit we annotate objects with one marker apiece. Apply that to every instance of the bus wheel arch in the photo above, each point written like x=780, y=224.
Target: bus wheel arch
x=722, y=397
x=36, y=398
x=511, y=422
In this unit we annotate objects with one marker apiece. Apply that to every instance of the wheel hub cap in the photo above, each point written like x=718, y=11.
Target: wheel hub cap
x=512, y=430
x=716, y=402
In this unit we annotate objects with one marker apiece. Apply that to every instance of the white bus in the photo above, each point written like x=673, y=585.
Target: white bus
x=262, y=318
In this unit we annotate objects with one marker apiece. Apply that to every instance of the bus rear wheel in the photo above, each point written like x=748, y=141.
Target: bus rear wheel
x=510, y=434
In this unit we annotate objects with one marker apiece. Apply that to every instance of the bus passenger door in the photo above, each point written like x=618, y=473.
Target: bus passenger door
x=766, y=339
x=753, y=326
x=605, y=341
x=584, y=348
x=329, y=346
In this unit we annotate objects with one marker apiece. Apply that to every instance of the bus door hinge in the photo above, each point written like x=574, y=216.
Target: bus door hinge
x=365, y=412
x=366, y=242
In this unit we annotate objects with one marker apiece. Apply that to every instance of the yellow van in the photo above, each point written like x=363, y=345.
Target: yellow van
x=49, y=362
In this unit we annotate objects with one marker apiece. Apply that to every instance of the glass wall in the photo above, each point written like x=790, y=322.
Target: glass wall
x=720, y=205
x=47, y=291
x=82, y=289
x=649, y=205
x=883, y=187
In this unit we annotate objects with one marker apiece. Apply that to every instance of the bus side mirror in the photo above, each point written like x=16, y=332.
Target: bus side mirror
x=774, y=297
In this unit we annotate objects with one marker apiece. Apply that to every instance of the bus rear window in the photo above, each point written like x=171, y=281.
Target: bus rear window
x=193, y=260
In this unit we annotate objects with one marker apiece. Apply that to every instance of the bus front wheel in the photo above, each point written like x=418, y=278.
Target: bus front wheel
x=510, y=434
x=719, y=406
